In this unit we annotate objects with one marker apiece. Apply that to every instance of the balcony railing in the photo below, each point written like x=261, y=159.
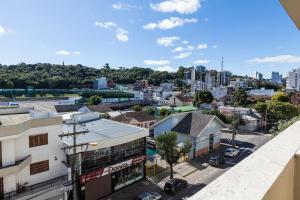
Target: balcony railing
x=28, y=190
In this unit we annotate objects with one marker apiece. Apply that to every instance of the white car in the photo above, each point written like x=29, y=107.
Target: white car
x=231, y=152
x=149, y=196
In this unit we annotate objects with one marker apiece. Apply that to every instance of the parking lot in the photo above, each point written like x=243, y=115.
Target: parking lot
x=200, y=172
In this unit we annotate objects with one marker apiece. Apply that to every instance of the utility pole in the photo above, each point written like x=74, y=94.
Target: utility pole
x=74, y=163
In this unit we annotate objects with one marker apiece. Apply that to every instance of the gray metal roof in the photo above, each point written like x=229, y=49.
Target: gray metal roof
x=103, y=130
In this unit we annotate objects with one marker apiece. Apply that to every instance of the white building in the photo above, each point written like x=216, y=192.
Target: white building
x=31, y=154
x=167, y=86
x=293, y=80
x=219, y=92
x=199, y=86
x=100, y=83
x=203, y=131
x=261, y=92
x=237, y=83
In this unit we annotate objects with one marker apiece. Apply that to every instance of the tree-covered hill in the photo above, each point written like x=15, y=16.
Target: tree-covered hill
x=45, y=75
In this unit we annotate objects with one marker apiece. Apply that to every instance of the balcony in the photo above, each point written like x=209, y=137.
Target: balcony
x=270, y=173
x=18, y=166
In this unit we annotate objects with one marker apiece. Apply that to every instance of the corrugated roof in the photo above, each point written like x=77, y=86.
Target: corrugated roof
x=102, y=130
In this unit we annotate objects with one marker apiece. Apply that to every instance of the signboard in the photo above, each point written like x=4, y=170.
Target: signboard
x=108, y=170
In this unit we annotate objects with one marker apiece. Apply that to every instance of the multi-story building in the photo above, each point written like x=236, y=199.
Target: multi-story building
x=224, y=78
x=293, y=80
x=31, y=158
x=212, y=78
x=276, y=78
x=198, y=86
x=258, y=76
x=190, y=76
x=110, y=156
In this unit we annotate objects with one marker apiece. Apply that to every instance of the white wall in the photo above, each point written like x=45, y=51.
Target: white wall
x=18, y=149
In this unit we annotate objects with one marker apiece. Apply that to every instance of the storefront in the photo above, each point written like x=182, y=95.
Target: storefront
x=112, y=178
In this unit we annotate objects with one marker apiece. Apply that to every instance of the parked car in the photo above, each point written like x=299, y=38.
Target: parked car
x=174, y=185
x=231, y=152
x=216, y=160
x=149, y=196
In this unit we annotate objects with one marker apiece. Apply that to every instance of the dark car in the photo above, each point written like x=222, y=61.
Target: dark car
x=174, y=185
x=216, y=160
x=149, y=196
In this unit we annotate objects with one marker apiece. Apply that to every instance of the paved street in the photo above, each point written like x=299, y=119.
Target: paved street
x=200, y=173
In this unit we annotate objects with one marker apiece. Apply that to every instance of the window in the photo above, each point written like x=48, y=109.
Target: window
x=38, y=140
x=39, y=167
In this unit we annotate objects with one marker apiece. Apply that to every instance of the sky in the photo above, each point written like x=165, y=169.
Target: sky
x=251, y=35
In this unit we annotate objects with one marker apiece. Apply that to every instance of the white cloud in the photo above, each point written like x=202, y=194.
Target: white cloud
x=185, y=42
x=4, y=30
x=281, y=59
x=201, y=61
x=170, y=23
x=106, y=25
x=190, y=48
x=121, y=6
x=167, y=41
x=215, y=46
x=122, y=35
x=156, y=62
x=202, y=46
x=180, y=6
x=182, y=55
x=180, y=49
x=67, y=53
x=165, y=68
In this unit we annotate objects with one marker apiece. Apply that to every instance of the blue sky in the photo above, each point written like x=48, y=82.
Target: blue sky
x=162, y=34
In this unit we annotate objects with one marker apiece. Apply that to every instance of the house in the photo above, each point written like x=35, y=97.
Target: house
x=203, y=131
x=31, y=158
x=180, y=100
x=140, y=118
x=249, y=119
x=112, y=154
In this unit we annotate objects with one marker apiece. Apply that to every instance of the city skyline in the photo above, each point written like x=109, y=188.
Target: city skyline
x=156, y=34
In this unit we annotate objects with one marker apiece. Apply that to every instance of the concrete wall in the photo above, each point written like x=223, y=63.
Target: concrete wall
x=9, y=111
x=283, y=187
x=297, y=177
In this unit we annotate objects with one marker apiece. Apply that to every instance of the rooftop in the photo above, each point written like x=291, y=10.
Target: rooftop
x=140, y=116
x=105, y=132
x=8, y=120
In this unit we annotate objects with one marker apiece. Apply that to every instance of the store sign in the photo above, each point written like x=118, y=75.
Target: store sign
x=108, y=170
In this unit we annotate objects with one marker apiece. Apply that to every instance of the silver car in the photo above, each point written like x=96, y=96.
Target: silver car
x=231, y=152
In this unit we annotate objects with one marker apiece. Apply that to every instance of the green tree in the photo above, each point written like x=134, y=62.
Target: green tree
x=217, y=113
x=240, y=97
x=137, y=108
x=168, y=149
x=94, y=100
x=150, y=111
x=280, y=96
x=202, y=97
x=164, y=112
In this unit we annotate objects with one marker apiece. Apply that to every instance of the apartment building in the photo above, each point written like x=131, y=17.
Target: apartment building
x=31, y=158
x=293, y=80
